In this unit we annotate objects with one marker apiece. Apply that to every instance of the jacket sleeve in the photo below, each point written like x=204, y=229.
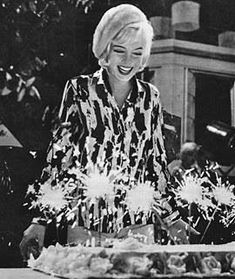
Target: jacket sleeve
x=64, y=137
x=61, y=151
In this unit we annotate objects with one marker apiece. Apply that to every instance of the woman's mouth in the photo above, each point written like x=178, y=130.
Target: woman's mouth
x=125, y=70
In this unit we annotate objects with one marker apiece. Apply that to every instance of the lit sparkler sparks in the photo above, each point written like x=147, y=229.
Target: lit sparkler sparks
x=223, y=192
x=52, y=197
x=98, y=185
x=191, y=191
x=140, y=197
x=99, y=182
x=223, y=195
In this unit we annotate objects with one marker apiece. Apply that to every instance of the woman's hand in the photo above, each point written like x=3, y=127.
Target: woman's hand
x=32, y=241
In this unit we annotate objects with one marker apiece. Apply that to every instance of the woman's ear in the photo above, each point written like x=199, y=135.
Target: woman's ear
x=103, y=62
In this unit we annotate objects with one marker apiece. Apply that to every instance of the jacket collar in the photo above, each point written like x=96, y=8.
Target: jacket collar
x=100, y=78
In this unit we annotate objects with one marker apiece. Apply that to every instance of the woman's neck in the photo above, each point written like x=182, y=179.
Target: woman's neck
x=120, y=90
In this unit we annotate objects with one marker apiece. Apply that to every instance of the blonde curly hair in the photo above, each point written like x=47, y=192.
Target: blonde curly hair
x=122, y=23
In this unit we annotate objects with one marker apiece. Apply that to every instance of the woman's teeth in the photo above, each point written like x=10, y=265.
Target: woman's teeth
x=124, y=70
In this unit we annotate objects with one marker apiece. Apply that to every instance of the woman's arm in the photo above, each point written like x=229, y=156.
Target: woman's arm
x=59, y=158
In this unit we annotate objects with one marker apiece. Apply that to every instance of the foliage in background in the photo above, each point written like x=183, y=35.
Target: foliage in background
x=38, y=52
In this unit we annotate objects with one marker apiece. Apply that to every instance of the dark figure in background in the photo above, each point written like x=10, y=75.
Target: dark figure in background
x=187, y=160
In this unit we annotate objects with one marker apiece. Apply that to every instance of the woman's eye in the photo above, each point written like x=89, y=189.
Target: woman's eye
x=118, y=51
x=137, y=53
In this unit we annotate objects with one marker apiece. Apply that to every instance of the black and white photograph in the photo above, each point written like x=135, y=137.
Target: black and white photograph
x=117, y=139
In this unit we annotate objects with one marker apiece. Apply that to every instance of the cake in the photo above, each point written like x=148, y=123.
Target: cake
x=131, y=259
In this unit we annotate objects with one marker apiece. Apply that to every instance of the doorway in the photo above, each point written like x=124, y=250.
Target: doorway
x=212, y=103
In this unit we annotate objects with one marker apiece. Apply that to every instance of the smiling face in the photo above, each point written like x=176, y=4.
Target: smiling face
x=126, y=55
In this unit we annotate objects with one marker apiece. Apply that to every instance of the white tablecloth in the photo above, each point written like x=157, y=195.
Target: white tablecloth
x=22, y=273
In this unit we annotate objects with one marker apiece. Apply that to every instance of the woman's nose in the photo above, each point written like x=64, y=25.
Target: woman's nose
x=126, y=58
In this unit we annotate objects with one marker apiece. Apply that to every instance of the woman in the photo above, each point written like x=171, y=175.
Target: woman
x=122, y=114
x=114, y=118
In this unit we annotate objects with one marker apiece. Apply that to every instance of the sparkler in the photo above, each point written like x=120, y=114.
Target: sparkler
x=98, y=185
x=140, y=197
x=53, y=201
x=191, y=190
x=223, y=195
x=209, y=196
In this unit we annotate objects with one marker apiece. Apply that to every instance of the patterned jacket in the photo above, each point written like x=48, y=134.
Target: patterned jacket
x=130, y=137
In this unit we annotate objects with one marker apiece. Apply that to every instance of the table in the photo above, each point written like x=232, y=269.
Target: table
x=22, y=273
x=27, y=273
